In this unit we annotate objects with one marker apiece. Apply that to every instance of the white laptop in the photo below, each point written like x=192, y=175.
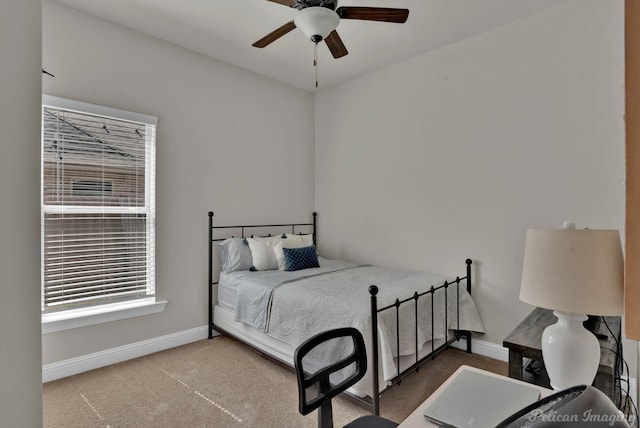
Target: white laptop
x=474, y=399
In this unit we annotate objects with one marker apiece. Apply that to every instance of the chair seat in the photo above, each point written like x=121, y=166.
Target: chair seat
x=371, y=421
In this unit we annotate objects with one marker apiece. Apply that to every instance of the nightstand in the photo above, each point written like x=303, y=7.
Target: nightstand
x=525, y=342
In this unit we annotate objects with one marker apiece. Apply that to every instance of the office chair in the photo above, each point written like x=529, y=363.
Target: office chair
x=315, y=388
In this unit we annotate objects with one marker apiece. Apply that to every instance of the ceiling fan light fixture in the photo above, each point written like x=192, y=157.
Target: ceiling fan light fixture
x=316, y=22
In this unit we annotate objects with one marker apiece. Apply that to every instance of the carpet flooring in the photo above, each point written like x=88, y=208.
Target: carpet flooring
x=219, y=383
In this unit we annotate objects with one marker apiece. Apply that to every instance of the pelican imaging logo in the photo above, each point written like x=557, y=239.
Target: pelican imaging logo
x=587, y=417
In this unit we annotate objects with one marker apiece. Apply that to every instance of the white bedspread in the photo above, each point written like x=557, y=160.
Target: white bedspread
x=301, y=308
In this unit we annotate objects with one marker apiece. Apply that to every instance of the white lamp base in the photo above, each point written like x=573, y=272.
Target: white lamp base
x=571, y=353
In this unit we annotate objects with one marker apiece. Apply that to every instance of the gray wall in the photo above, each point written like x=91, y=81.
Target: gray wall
x=455, y=153
x=20, y=86
x=228, y=140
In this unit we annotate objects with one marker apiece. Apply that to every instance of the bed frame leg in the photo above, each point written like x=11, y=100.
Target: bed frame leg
x=468, y=263
x=210, y=274
x=375, y=393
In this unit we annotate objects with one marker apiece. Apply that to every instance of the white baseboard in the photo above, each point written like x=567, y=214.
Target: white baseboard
x=107, y=357
x=482, y=347
x=61, y=369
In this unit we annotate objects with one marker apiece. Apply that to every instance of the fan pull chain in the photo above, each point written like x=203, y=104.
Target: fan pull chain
x=315, y=60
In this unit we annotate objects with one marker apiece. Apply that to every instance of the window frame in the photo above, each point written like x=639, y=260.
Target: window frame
x=105, y=312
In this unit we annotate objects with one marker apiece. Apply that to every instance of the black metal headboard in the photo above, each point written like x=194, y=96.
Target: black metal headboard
x=245, y=229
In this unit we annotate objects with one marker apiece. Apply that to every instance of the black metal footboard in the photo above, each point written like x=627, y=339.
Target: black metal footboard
x=373, y=290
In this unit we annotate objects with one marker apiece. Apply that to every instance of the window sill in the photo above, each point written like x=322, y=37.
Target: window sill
x=76, y=318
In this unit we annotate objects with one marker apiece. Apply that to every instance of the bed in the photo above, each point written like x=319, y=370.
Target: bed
x=273, y=291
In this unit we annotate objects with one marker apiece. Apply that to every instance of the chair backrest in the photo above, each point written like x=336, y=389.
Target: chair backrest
x=340, y=354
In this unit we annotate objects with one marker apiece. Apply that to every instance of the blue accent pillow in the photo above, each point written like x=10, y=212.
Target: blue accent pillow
x=300, y=258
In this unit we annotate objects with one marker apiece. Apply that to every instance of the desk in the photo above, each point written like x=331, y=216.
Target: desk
x=417, y=419
x=525, y=342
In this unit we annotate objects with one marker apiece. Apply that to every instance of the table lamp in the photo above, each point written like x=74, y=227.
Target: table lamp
x=574, y=272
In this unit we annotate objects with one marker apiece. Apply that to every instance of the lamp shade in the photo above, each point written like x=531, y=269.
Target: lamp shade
x=573, y=270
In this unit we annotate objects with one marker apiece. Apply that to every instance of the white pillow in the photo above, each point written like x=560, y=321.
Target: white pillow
x=291, y=241
x=307, y=239
x=262, y=253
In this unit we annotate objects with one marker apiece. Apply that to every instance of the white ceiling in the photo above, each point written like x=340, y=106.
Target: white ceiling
x=225, y=30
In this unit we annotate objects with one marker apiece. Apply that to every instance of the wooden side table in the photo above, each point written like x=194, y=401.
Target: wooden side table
x=525, y=342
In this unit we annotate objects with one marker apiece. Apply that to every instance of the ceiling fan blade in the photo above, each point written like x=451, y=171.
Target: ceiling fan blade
x=289, y=3
x=385, y=14
x=275, y=35
x=334, y=42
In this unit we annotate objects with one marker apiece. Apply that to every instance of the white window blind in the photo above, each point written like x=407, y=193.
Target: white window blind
x=98, y=205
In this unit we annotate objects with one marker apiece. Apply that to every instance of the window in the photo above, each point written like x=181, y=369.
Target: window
x=98, y=207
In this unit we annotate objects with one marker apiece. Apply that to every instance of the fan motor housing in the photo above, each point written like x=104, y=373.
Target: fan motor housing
x=303, y=4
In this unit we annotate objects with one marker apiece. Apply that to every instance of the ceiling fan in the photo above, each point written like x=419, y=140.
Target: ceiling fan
x=318, y=20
